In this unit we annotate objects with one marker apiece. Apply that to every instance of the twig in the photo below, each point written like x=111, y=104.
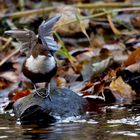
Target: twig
x=9, y=56
x=81, y=6
x=6, y=44
x=114, y=29
x=8, y=41
x=107, y=5
x=3, y=39
x=101, y=14
x=27, y=13
x=21, y=4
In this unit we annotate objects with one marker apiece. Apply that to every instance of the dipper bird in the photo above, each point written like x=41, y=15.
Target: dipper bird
x=40, y=64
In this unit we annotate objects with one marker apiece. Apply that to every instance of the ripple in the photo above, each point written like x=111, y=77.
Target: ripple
x=126, y=133
x=2, y=137
x=134, y=120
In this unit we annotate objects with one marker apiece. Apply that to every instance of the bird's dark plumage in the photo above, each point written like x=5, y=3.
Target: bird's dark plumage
x=40, y=65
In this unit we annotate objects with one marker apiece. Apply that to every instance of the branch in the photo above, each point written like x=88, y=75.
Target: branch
x=107, y=5
x=27, y=13
x=81, y=6
x=101, y=14
x=9, y=56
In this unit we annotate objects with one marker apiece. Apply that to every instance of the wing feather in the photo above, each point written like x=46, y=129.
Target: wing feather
x=45, y=33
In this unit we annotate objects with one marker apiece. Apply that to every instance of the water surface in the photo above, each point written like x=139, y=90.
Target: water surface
x=117, y=122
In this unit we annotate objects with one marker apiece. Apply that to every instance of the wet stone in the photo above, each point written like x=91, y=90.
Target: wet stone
x=65, y=103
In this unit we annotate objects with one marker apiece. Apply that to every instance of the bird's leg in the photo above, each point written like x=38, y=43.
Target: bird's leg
x=20, y=84
x=40, y=94
x=47, y=86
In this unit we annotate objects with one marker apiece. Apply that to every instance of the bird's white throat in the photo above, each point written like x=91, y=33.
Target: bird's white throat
x=40, y=64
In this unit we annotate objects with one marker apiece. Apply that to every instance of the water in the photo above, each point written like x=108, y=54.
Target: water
x=117, y=122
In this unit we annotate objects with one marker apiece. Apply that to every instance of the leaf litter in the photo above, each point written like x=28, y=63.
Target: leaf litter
x=99, y=50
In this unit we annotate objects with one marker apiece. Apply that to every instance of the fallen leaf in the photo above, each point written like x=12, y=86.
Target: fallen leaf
x=3, y=83
x=98, y=87
x=87, y=89
x=86, y=56
x=134, y=57
x=133, y=68
x=61, y=82
x=101, y=66
x=120, y=89
x=66, y=26
x=135, y=20
x=97, y=41
x=2, y=7
x=10, y=76
x=131, y=77
x=20, y=93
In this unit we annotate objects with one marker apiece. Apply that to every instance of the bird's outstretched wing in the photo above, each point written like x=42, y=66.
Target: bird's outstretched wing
x=45, y=33
x=27, y=38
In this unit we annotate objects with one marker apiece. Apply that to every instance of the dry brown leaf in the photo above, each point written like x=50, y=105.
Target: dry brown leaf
x=133, y=58
x=68, y=15
x=102, y=66
x=68, y=74
x=120, y=89
x=10, y=76
x=98, y=87
x=3, y=83
x=20, y=94
x=87, y=86
x=117, y=51
x=134, y=67
x=97, y=41
x=86, y=56
x=60, y=81
x=2, y=7
x=136, y=21
x=111, y=74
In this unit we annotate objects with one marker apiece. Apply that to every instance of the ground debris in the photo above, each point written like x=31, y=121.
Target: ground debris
x=98, y=57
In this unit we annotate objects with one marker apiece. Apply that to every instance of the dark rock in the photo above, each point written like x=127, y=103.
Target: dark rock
x=65, y=103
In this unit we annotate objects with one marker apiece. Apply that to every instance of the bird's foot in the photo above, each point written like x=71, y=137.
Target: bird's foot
x=48, y=95
x=40, y=94
x=43, y=94
x=48, y=91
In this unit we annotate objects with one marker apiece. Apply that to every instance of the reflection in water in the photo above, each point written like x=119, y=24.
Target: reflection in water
x=118, y=122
